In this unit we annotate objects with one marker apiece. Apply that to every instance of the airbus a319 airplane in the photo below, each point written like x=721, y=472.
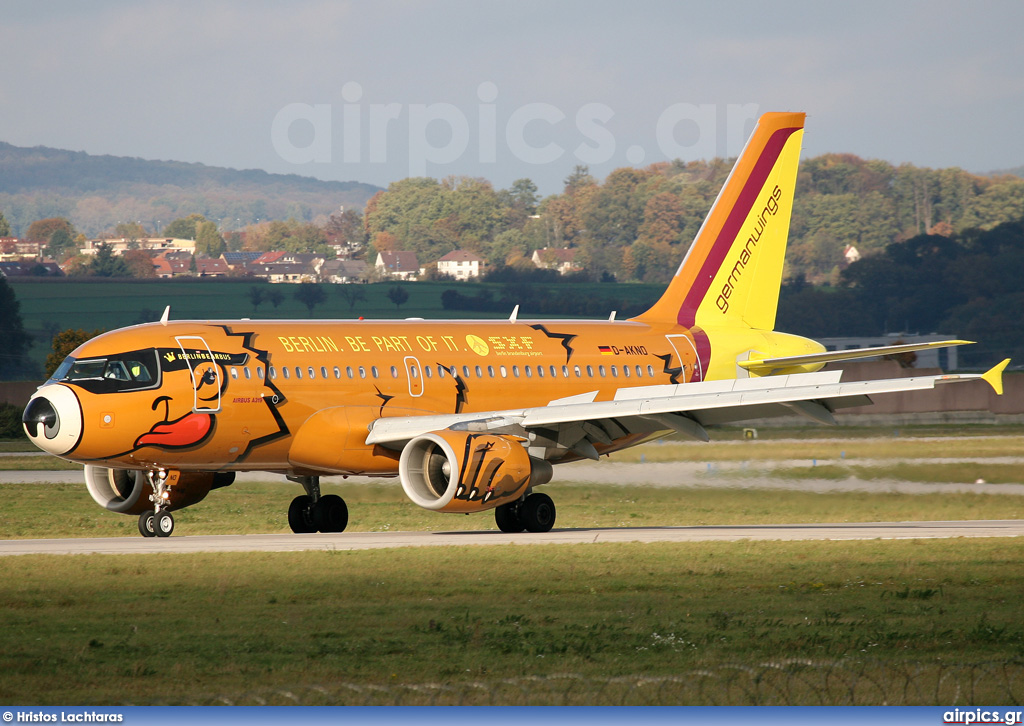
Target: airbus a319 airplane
x=469, y=415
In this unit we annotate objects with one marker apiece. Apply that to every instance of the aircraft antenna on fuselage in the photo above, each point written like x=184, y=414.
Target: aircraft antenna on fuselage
x=167, y=314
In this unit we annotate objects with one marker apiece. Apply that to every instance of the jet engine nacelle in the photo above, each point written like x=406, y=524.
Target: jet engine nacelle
x=127, y=491
x=459, y=471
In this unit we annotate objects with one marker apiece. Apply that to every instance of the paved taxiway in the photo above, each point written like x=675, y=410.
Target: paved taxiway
x=383, y=540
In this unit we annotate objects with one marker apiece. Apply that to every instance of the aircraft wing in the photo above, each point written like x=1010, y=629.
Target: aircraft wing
x=767, y=365
x=577, y=423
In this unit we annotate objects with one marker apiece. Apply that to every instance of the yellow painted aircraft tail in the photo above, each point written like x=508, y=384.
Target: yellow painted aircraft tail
x=733, y=271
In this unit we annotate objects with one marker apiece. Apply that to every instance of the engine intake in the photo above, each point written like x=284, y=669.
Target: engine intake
x=459, y=471
x=127, y=491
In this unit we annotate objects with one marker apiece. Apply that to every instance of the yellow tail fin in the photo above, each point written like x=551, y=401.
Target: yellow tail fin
x=732, y=274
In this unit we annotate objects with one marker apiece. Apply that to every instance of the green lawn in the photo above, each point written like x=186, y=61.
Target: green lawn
x=487, y=622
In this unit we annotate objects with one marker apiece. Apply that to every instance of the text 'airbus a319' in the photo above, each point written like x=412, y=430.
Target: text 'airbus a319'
x=469, y=415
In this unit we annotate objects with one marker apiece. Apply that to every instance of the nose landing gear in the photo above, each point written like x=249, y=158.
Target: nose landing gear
x=160, y=521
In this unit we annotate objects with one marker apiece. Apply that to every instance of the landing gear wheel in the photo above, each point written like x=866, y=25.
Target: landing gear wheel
x=507, y=518
x=330, y=514
x=163, y=523
x=537, y=513
x=146, y=527
x=300, y=515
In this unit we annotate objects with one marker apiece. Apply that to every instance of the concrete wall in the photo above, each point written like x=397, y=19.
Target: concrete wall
x=17, y=392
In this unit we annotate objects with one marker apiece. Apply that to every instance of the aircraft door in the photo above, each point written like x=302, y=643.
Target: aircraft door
x=414, y=373
x=683, y=347
x=207, y=378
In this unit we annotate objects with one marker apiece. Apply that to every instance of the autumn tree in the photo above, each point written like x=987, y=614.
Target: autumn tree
x=346, y=228
x=185, y=227
x=64, y=343
x=42, y=229
x=130, y=231
x=208, y=240
x=139, y=263
x=61, y=245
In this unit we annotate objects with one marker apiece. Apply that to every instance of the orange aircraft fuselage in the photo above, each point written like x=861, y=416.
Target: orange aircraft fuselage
x=299, y=396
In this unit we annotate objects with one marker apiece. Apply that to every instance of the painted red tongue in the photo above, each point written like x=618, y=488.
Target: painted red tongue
x=187, y=430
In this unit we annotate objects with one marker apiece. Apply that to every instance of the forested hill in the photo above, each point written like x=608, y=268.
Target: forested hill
x=96, y=192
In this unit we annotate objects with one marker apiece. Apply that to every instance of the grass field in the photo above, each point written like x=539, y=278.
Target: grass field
x=35, y=511
x=868, y=622
x=202, y=628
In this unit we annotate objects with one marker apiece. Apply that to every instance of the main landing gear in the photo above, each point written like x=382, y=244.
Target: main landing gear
x=160, y=521
x=535, y=513
x=312, y=512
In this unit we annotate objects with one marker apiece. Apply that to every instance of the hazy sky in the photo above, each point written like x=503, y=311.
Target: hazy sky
x=377, y=91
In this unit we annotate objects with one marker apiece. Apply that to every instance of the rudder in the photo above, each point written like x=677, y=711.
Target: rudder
x=733, y=271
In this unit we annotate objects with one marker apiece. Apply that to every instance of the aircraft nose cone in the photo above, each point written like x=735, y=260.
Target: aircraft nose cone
x=40, y=414
x=53, y=419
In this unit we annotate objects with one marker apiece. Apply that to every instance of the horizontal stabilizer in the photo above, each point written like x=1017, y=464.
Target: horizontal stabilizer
x=767, y=365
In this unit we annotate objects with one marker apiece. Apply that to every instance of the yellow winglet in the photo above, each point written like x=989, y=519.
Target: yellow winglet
x=994, y=377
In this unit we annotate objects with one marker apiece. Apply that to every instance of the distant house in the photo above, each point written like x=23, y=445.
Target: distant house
x=238, y=260
x=401, y=265
x=30, y=268
x=211, y=267
x=284, y=272
x=268, y=258
x=555, y=258
x=851, y=255
x=460, y=264
x=173, y=264
x=158, y=244
x=344, y=271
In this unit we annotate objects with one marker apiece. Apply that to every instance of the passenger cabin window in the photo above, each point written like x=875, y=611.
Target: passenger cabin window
x=286, y=371
x=248, y=374
x=394, y=371
x=337, y=372
x=259, y=373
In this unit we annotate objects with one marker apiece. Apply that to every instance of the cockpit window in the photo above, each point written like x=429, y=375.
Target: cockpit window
x=128, y=372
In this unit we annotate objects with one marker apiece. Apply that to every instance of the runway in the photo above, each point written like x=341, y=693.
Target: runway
x=385, y=540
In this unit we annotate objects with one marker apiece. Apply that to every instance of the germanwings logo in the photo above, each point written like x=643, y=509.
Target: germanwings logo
x=768, y=213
